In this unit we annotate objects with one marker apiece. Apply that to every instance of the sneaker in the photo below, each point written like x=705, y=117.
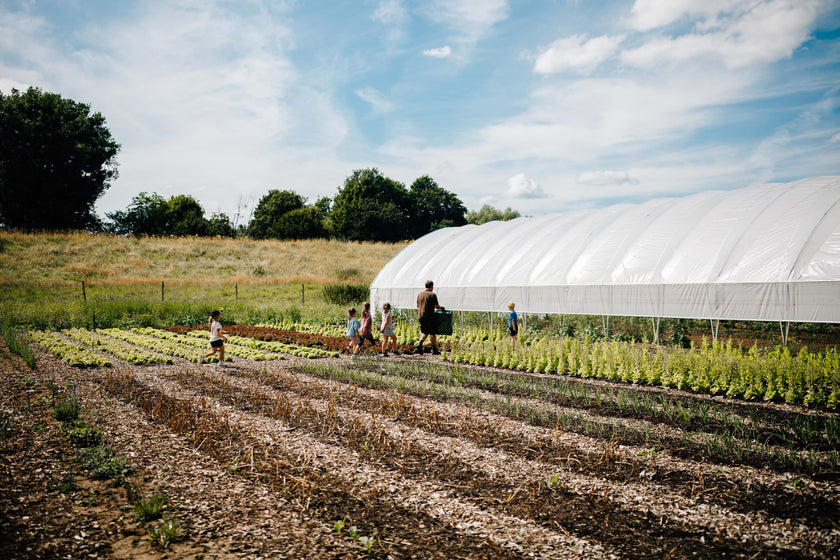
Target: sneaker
x=420, y=348
x=435, y=350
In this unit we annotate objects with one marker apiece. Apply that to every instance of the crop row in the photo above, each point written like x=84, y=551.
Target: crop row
x=74, y=354
x=727, y=445
x=119, y=349
x=292, y=326
x=336, y=419
x=293, y=349
x=718, y=368
x=335, y=344
x=167, y=347
x=303, y=484
x=407, y=333
x=232, y=349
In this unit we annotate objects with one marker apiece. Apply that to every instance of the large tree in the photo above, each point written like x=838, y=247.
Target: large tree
x=371, y=207
x=301, y=223
x=56, y=160
x=265, y=223
x=185, y=216
x=146, y=215
x=181, y=215
x=434, y=207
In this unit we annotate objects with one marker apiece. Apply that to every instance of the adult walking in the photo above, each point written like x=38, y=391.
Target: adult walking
x=427, y=302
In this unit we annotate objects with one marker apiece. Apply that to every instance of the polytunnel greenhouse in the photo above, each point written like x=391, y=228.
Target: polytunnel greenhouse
x=767, y=252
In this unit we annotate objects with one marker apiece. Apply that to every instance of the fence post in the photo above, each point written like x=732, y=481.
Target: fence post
x=236, y=286
x=84, y=294
x=161, y=290
x=301, y=294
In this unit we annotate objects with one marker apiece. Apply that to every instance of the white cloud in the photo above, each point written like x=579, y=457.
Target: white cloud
x=442, y=52
x=576, y=53
x=650, y=14
x=746, y=35
x=379, y=103
x=600, y=178
x=520, y=186
x=835, y=138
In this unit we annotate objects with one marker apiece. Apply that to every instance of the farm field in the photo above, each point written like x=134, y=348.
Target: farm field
x=286, y=453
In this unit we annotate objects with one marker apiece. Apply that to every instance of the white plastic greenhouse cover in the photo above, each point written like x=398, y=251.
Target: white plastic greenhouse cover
x=768, y=252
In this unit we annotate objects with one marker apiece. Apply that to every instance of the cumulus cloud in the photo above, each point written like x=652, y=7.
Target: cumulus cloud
x=602, y=178
x=520, y=186
x=738, y=35
x=442, y=52
x=576, y=53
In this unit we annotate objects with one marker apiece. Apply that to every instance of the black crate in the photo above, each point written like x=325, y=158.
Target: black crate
x=443, y=322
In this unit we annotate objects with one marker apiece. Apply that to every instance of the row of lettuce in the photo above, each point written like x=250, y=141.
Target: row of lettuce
x=719, y=368
x=146, y=345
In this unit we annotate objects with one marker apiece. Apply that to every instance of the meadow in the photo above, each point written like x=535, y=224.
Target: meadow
x=149, y=280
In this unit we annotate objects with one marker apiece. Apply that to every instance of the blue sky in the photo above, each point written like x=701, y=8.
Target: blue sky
x=544, y=106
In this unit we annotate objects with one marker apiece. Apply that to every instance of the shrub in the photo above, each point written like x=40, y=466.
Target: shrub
x=343, y=294
x=68, y=411
x=104, y=463
x=82, y=436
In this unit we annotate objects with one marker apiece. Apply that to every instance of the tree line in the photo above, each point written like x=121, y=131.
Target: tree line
x=57, y=158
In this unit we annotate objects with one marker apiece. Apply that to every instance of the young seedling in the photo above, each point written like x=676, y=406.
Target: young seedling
x=150, y=508
x=367, y=543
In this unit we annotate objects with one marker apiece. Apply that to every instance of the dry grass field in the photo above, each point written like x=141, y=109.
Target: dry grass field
x=42, y=276
x=53, y=260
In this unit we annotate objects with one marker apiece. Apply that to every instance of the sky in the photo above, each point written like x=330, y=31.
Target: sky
x=539, y=105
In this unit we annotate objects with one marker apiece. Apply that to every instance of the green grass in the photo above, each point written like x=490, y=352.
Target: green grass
x=129, y=306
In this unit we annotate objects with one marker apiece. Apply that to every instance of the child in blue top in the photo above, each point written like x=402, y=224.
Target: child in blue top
x=513, y=324
x=353, y=327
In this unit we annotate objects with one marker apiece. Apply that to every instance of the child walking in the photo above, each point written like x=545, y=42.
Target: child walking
x=353, y=327
x=387, y=330
x=217, y=338
x=366, y=332
x=513, y=324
